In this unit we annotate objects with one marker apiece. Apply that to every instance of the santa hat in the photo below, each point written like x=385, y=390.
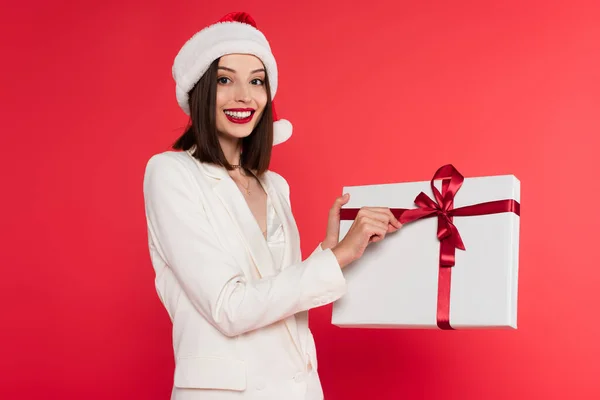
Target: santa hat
x=234, y=33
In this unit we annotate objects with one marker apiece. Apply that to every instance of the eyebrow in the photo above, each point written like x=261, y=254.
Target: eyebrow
x=234, y=71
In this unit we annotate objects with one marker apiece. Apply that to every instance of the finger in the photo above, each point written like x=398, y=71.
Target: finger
x=375, y=231
x=393, y=220
x=380, y=230
x=389, y=215
x=382, y=215
x=373, y=223
x=387, y=211
x=375, y=239
x=378, y=209
x=392, y=228
x=333, y=223
x=339, y=203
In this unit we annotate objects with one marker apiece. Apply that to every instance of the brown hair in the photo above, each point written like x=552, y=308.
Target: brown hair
x=202, y=128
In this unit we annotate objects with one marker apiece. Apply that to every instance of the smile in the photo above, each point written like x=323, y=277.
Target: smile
x=239, y=116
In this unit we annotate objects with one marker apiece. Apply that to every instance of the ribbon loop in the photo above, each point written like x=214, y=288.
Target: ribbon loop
x=443, y=204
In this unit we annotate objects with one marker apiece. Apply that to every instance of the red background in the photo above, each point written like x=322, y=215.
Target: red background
x=378, y=92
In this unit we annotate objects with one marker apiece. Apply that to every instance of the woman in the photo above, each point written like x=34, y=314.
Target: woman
x=222, y=237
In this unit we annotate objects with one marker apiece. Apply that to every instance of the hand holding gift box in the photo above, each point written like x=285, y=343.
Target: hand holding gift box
x=416, y=278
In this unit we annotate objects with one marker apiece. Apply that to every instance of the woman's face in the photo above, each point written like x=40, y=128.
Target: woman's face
x=241, y=95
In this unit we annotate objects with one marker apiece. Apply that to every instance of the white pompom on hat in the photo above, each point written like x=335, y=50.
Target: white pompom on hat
x=235, y=33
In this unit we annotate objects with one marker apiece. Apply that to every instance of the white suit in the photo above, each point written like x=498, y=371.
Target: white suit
x=240, y=326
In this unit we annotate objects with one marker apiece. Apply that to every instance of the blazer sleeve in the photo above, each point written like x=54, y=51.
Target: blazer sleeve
x=208, y=274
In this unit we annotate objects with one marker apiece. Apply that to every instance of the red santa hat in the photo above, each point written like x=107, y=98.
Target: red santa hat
x=234, y=33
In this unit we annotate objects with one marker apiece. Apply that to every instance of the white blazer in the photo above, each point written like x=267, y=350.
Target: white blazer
x=240, y=328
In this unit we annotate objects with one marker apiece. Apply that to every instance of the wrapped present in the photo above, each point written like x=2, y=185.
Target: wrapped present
x=454, y=263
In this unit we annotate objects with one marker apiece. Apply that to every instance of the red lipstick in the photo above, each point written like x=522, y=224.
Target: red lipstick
x=237, y=120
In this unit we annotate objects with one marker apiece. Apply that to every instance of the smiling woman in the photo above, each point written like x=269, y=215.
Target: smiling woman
x=232, y=85
x=223, y=239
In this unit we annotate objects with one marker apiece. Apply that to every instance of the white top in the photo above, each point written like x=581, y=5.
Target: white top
x=275, y=236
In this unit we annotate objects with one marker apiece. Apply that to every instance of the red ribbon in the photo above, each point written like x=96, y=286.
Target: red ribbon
x=448, y=235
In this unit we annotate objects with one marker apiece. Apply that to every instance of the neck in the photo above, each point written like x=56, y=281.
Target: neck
x=231, y=149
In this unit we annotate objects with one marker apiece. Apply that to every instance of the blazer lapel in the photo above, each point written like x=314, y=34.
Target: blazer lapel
x=242, y=218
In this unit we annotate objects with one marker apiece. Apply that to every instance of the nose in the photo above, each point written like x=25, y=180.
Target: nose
x=242, y=93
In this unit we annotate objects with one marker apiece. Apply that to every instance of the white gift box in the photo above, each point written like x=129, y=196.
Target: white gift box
x=395, y=283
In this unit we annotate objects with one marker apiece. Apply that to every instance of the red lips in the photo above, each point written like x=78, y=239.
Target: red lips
x=240, y=120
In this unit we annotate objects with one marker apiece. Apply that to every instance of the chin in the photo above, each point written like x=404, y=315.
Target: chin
x=238, y=133
x=232, y=130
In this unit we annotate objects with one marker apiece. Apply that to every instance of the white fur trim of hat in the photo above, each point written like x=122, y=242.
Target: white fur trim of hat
x=234, y=33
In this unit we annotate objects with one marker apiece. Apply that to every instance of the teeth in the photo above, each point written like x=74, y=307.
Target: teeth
x=238, y=114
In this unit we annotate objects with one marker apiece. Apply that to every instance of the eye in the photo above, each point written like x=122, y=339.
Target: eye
x=223, y=80
x=257, y=81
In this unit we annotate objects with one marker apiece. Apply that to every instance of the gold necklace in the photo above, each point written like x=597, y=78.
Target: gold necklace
x=246, y=188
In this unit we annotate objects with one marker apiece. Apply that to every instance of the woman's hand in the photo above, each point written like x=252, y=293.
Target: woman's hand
x=371, y=225
x=333, y=223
